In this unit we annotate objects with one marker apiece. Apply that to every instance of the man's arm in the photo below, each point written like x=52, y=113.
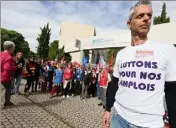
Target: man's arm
x=170, y=85
x=110, y=94
x=8, y=66
x=170, y=95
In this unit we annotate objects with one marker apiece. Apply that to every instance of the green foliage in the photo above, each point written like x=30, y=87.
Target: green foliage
x=157, y=20
x=43, y=40
x=111, y=51
x=21, y=45
x=53, y=50
x=61, y=53
x=67, y=57
x=163, y=18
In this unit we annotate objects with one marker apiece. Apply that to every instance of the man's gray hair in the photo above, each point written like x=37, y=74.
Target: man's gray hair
x=8, y=44
x=140, y=2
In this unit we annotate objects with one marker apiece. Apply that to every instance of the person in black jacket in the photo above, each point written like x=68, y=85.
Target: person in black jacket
x=86, y=82
x=30, y=70
x=50, y=74
x=92, y=87
x=38, y=69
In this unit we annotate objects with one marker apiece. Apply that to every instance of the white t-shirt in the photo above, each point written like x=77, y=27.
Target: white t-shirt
x=142, y=71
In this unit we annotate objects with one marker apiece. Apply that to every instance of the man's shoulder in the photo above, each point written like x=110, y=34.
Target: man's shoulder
x=161, y=44
x=122, y=51
x=6, y=57
x=164, y=47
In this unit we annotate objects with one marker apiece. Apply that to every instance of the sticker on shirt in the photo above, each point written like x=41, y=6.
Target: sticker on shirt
x=144, y=53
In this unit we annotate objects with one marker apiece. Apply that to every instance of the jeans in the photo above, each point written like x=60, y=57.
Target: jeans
x=98, y=90
x=7, y=86
x=118, y=122
x=84, y=90
x=103, y=95
x=12, y=85
x=77, y=87
x=17, y=83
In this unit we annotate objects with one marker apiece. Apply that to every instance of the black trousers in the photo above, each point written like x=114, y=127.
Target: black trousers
x=30, y=81
x=78, y=87
x=92, y=90
x=7, y=86
x=36, y=82
x=66, y=90
x=50, y=84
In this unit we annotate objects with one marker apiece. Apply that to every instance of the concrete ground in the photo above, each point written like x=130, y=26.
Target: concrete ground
x=39, y=111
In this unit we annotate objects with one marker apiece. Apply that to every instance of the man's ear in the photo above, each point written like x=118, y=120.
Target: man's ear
x=129, y=24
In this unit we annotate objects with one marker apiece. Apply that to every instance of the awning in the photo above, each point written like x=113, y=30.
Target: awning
x=98, y=42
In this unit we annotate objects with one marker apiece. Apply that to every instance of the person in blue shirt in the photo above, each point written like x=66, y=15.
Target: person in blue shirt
x=78, y=78
x=57, y=81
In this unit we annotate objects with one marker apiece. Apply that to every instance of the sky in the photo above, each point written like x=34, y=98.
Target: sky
x=26, y=17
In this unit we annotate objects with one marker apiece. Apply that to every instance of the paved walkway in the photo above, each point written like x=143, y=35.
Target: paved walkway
x=38, y=111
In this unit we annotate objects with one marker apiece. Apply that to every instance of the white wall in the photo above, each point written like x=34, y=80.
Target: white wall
x=71, y=31
x=163, y=32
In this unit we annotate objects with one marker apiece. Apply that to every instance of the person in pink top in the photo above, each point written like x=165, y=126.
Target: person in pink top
x=67, y=78
x=7, y=69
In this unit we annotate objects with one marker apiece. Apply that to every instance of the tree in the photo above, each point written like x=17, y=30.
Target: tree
x=21, y=45
x=67, y=57
x=163, y=18
x=32, y=53
x=43, y=40
x=110, y=52
x=61, y=53
x=53, y=49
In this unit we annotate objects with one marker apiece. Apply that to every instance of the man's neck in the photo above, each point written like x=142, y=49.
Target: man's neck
x=137, y=40
x=8, y=52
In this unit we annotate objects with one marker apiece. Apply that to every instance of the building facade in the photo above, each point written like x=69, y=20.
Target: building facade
x=70, y=32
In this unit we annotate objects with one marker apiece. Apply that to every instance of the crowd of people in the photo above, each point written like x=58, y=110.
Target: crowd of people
x=135, y=88
x=66, y=79
x=59, y=78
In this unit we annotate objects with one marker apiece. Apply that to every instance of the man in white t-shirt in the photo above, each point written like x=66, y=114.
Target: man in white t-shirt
x=142, y=73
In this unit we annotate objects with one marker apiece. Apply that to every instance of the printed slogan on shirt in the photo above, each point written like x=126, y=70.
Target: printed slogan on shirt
x=143, y=75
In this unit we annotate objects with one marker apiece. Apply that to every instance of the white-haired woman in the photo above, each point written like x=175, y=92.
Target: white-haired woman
x=7, y=69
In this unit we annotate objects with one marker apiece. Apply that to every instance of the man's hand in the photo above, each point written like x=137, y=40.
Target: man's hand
x=106, y=119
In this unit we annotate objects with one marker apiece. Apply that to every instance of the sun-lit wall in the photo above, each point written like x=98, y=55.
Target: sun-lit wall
x=70, y=31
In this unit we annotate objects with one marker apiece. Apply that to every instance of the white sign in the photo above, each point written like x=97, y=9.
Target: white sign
x=99, y=43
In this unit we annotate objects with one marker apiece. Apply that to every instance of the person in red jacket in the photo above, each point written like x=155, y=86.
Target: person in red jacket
x=7, y=70
x=68, y=75
x=104, y=79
